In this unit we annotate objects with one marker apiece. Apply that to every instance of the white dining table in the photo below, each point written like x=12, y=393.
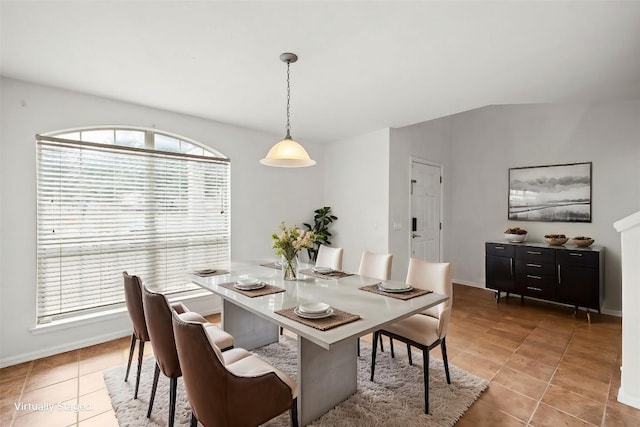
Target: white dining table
x=327, y=360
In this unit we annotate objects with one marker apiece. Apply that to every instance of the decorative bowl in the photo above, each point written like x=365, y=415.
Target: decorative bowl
x=556, y=241
x=515, y=238
x=583, y=242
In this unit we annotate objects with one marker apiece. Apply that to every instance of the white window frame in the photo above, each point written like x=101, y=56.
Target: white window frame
x=107, y=208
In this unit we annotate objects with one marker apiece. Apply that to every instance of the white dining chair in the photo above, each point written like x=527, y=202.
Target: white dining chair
x=376, y=266
x=329, y=257
x=427, y=329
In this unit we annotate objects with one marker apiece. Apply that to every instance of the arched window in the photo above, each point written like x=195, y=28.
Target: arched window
x=125, y=199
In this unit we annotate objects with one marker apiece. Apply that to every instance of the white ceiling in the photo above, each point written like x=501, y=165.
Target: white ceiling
x=363, y=66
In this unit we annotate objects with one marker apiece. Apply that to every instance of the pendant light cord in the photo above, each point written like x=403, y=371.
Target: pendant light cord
x=288, y=128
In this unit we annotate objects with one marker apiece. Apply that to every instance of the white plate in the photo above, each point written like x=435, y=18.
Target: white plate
x=322, y=270
x=206, y=271
x=314, y=308
x=253, y=287
x=394, y=286
x=247, y=282
x=313, y=316
x=398, y=290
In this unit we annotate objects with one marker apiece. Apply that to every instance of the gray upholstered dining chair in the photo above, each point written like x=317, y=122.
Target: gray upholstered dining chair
x=133, y=299
x=329, y=257
x=158, y=313
x=376, y=266
x=246, y=391
x=427, y=329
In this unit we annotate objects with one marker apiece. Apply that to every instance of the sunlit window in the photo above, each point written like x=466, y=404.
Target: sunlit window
x=123, y=199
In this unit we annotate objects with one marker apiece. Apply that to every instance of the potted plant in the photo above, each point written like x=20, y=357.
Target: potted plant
x=321, y=221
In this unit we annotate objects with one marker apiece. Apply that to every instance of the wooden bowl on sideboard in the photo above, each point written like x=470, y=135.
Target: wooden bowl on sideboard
x=555, y=239
x=583, y=242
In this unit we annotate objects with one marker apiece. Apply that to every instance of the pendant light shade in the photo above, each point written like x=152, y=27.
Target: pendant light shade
x=288, y=153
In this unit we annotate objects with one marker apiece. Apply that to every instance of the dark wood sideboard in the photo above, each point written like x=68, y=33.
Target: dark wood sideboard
x=564, y=274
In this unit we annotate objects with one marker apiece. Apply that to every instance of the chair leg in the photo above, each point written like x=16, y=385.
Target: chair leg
x=156, y=374
x=443, y=347
x=281, y=330
x=293, y=412
x=140, y=354
x=172, y=400
x=358, y=347
x=409, y=353
x=194, y=420
x=131, y=350
x=393, y=355
x=425, y=368
x=373, y=353
x=381, y=346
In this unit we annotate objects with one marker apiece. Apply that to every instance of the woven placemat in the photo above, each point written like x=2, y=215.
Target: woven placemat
x=209, y=272
x=415, y=292
x=330, y=275
x=338, y=318
x=267, y=290
x=272, y=265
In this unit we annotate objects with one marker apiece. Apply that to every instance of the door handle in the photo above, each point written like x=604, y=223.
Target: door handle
x=414, y=235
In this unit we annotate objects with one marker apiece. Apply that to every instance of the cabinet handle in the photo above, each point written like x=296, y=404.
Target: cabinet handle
x=530, y=276
x=531, y=288
x=574, y=254
x=559, y=276
x=534, y=252
x=511, y=265
x=534, y=265
x=498, y=247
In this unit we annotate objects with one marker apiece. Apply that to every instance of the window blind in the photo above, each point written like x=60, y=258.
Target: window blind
x=104, y=209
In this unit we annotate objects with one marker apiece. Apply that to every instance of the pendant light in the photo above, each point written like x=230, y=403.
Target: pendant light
x=288, y=153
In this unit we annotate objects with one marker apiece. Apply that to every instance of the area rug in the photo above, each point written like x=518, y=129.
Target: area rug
x=395, y=398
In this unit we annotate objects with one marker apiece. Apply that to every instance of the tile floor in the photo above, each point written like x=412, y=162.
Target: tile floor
x=546, y=367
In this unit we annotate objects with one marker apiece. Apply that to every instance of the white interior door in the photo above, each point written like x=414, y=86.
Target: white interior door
x=426, y=200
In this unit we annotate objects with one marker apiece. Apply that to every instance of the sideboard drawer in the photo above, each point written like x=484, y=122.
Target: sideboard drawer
x=498, y=249
x=536, y=254
x=538, y=290
x=535, y=268
x=578, y=258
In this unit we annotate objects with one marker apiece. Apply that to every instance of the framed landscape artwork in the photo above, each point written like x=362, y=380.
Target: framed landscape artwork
x=554, y=193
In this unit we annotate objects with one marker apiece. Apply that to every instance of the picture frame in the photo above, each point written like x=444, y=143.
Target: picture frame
x=550, y=193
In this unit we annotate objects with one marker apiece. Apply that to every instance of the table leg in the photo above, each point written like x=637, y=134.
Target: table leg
x=249, y=331
x=325, y=377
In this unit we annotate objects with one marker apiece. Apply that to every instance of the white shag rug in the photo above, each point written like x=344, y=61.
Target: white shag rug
x=395, y=398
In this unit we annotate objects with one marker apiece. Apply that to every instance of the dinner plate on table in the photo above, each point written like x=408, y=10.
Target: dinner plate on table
x=248, y=284
x=314, y=308
x=322, y=315
x=394, y=287
x=322, y=270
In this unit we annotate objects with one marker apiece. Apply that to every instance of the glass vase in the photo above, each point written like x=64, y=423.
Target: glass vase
x=290, y=268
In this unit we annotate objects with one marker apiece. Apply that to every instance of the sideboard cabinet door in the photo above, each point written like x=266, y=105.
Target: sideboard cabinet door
x=578, y=278
x=499, y=267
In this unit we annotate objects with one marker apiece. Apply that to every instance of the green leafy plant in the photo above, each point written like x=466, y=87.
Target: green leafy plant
x=321, y=220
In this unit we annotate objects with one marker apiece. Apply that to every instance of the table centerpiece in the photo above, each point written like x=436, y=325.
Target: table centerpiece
x=287, y=244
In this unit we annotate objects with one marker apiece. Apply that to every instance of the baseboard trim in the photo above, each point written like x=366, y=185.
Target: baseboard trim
x=203, y=304
x=616, y=313
x=628, y=400
x=74, y=345
x=468, y=283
